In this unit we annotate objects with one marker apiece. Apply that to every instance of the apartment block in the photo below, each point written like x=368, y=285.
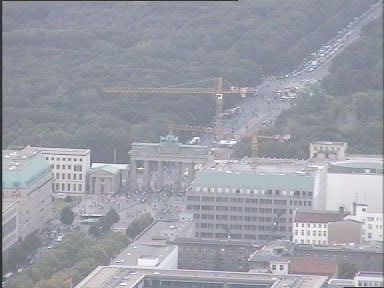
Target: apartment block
x=69, y=168
x=27, y=178
x=250, y=205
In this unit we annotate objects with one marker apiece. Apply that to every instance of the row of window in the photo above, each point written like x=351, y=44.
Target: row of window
x=64, y=159
x=240, y=218
x=251, y=201
x=314, y=242
x=367, y=283
x=377, y=226
x=68, y=187
x=274, y=267
x=78, y=168
x=235, y=236
x=238, y=227
x=314, y=233
x=373, y=219
x=252, y=191
x=309, y=225
x=68, y=177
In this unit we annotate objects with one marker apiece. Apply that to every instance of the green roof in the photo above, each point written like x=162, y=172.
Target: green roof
x=111, y=168
x=249, y=180
x=26, y=173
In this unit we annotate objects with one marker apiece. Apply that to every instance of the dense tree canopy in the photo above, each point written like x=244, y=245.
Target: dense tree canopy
x=58, y=56
x=347, y=106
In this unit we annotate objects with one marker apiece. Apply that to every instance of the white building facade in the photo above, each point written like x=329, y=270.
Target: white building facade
x=69, y=168
x=312, y=227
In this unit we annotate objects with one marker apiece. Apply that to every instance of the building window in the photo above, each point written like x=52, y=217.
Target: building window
x=74, y=187
x=57, y=175
x=62, y=176
x=74, y=176
x=57, y=159
x=81, y=159
x=64, y=159
x=46, y=158
x=62, y=166
x=314, y=233
x=273, y=267
x=52, y=158
x=80, y=176
x=320, y=226
x=79, y=187
x=69, y=159
x=57, y=166
x=57, y=186
x=296, y=232
x=69, y=176
x=75, y=159
x=79, y=169
x=369, y=235
x=69, y=187
x=302, y=232
x=62, y=186
x=281, y=267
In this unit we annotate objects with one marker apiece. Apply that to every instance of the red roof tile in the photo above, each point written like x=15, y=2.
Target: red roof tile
x=318, y=217
x=314, y=266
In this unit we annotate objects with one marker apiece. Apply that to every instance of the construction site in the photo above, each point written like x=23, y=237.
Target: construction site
x=171, y=165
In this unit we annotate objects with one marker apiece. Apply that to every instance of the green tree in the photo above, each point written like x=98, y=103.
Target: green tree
x=67, y=216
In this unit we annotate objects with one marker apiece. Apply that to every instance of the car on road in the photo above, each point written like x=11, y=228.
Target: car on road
x=119, y=261
x=49, y=247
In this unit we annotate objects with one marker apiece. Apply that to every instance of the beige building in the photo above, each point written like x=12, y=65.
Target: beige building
x=27, y=178
x=345, y=231
x=69, y=168
x=107, y=178
x=323, y=151
x=9, y=223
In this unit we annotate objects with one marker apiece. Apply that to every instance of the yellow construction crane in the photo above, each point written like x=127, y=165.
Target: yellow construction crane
x=253, y=136
x=217, y=90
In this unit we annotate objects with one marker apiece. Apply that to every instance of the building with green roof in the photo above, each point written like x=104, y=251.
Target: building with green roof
x=248, y=205
x=27, y=178
x=106, y=178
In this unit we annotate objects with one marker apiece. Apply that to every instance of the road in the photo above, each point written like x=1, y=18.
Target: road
x=268, y=109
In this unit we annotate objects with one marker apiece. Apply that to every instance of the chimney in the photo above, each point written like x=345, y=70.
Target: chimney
x=341, y=210
x=354, y=208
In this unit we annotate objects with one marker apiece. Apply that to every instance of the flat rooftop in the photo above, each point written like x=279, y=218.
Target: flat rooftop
x=63, y=151
x=146, y=245
x=370, y=274
x=113, y=276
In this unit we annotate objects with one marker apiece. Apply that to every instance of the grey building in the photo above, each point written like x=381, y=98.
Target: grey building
x=104, y=178
x=214, y=255
x=248, y=205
